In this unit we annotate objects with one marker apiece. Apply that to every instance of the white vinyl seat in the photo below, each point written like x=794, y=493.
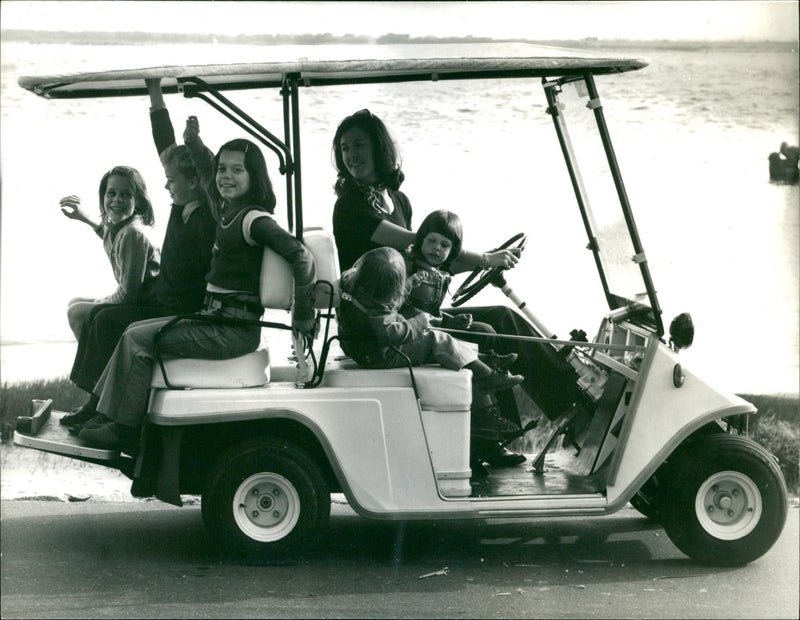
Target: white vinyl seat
x=439, y=389
x=277, y=292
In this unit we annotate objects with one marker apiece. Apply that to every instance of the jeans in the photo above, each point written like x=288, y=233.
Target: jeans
x=124, y=386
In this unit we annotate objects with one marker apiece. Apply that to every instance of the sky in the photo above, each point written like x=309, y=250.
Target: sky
x=775, y=20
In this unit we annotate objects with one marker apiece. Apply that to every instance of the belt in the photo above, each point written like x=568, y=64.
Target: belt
x=214, y=302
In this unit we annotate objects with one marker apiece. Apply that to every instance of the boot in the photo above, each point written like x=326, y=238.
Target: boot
x=497, y=361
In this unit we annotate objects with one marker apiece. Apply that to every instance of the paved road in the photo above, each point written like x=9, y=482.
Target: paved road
x=145, y=559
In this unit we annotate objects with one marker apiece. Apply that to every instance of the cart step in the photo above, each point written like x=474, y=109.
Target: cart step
x=48, y=435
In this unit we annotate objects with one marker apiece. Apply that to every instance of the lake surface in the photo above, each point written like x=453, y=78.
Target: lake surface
x=692, y=134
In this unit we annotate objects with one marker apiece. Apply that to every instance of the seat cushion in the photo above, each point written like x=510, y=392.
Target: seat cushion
x=277, y=283
x=439, y=389
x=251, y=370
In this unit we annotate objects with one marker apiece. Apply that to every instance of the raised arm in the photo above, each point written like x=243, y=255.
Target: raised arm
x=160, y=123
x=202, y=157
x=71, y=208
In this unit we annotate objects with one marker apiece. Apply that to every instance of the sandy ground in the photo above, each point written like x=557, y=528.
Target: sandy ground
x=30, y=473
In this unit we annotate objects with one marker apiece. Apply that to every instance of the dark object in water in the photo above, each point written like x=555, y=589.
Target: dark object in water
x=783, y=165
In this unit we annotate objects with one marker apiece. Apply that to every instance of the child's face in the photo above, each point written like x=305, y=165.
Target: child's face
x=182, y=189
x=357, y=154
x=233, y=180
x=119, y=201
x=435, y=248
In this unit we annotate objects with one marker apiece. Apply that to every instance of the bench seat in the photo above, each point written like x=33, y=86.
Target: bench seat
x=439, y=389
x=251, y=370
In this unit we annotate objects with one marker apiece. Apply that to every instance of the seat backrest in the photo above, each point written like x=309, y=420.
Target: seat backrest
x=277, y=283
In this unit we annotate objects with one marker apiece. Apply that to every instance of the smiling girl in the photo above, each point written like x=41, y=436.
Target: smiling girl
x=124, y=211
x=246, y=202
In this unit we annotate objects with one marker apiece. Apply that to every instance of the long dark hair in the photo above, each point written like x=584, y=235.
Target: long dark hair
x=260, y=192
x=385, y=152
x=447, y=224
x=142, y=206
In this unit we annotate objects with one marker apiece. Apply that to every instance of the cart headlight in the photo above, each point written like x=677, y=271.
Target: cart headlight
x=681, y=331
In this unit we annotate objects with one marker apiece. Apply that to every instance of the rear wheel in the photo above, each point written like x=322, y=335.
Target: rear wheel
x=727, y=503
x=266, y=497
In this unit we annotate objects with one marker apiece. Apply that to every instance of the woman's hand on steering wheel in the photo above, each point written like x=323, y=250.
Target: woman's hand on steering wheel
x=504, y=259
x=499, y=259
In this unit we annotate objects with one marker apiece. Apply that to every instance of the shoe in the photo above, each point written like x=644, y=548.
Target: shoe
x=497, y=381
x=489, y=419
x=81, y=415
x=102, y=436
x=497, y=361
x=504, y=457
x=97, y=420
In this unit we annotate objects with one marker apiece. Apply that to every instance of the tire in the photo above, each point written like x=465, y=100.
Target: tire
x=646, y=501
x=266, y=498
x=654, y=493
x=727, y=501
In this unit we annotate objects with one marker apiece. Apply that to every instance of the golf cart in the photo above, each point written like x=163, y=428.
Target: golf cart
x=266, y=443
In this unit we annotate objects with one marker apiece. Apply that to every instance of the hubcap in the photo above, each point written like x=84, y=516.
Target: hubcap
x=728, y=505
x=266, y=507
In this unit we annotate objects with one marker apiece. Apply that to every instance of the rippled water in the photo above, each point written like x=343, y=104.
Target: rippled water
x=692, y=133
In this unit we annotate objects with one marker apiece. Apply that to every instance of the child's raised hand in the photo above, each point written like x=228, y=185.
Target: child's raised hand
x=71, y=207
x=192, y=130
x=153, y=84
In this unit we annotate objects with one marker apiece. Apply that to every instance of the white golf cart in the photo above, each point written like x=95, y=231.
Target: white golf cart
x=266, y=444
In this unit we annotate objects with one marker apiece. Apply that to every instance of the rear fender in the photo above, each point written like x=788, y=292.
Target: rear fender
x=374, y=444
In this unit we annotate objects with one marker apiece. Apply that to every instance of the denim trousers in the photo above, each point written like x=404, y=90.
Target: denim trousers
x=124, y=386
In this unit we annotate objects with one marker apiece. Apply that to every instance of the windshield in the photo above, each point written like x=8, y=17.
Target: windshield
x=607, y=216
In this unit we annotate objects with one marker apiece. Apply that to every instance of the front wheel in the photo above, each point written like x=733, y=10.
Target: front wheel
x=266, y=497
x=728, y=501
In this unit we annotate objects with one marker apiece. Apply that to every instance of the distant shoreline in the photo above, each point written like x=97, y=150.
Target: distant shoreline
x=590, y=43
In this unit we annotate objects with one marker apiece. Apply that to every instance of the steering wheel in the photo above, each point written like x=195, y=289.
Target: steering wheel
x=481, y=277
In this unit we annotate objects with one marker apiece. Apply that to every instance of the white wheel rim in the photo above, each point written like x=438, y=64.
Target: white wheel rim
x=728, y=505
x=266, y=507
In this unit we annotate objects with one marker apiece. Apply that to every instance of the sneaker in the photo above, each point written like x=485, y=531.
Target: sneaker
x=81, y=415
x=497, y=361
x=101, y=436
x=497, y=381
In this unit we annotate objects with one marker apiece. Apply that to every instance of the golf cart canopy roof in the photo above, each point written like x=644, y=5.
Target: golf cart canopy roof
x=451, y=62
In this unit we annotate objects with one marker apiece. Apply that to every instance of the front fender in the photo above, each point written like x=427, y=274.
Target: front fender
x=661, y=417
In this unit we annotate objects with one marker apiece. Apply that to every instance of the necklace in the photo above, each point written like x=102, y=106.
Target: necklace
x=229, y=214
